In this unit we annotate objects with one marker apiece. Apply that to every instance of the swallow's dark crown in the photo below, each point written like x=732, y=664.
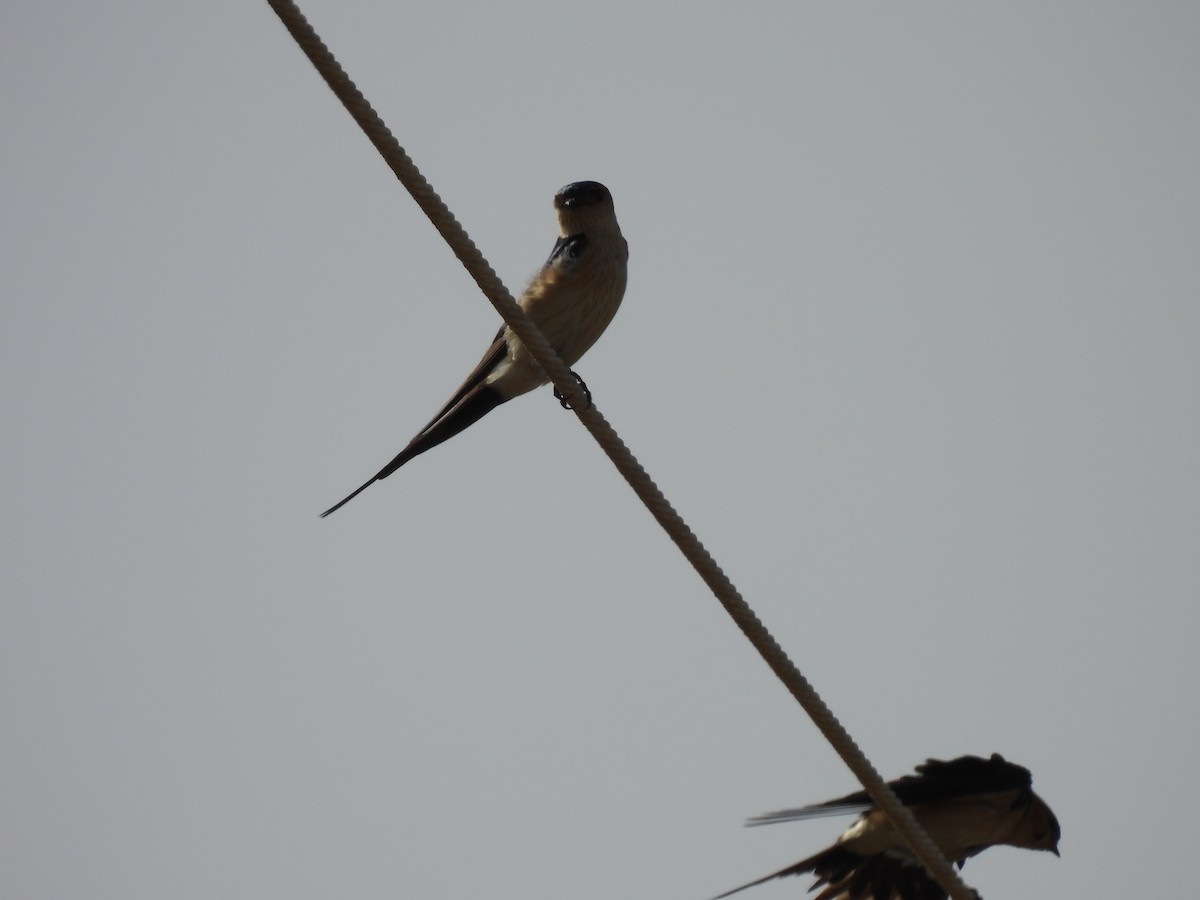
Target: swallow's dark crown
x=581, y=193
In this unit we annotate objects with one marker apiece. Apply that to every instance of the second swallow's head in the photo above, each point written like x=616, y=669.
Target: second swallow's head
x=1040, y=829
x=580, y=194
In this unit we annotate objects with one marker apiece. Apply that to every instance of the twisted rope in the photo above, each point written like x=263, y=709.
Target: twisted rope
x=637, y=477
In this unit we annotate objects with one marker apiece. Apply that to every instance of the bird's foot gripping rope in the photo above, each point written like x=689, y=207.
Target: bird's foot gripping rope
x=566, y=402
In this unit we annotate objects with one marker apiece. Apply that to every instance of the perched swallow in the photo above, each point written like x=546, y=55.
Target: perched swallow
x=572, y=300
x=965, y=805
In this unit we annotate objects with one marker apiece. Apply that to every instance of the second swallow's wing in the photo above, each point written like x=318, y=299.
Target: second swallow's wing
x=938, y=779
x=805, y=865
x=846, y=874
x=935, y=780
x=816, y=811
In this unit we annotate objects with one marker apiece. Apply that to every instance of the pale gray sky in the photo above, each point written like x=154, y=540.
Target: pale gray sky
x=912, y=339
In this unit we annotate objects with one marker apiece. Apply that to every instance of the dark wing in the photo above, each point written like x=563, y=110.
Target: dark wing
x=879, y=877
x=567, y=247
x=935, y=780
x=471, y=402
x=805, y=865
x=817, y=811
x=947, y=779
x=477, y=378
x=845, y=875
